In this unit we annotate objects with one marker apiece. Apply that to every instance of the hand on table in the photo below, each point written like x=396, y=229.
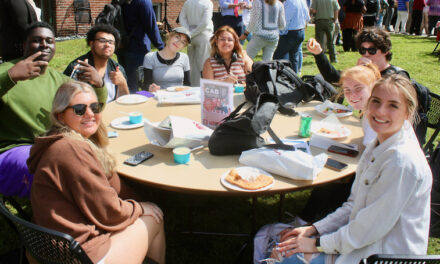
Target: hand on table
x=89, y=74
x=153, y=87
x=314, y=47
x=28, y=68
x=153, y=210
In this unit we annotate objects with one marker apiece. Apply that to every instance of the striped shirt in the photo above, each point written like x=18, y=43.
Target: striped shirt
x=236, y=69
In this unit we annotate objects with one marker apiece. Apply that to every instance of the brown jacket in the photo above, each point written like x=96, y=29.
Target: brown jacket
x=71, y=194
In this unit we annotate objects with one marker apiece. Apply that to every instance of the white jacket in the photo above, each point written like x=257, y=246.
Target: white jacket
x=388, y=210
x=196, y=16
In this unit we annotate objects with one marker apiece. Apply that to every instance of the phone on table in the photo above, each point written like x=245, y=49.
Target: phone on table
x=335, y=165
x=138, y=158
x=343, y=151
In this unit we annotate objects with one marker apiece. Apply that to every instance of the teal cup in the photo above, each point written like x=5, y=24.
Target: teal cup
x=181, y=155
x=238, y=88
x=135, y=117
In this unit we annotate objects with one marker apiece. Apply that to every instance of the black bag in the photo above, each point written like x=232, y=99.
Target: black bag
x=217, y=20
x=112, y=15
x=424, y=101
x=434, y=163
x=322, y=90
x=276, y=77
x=241, y=131
x=371, y=6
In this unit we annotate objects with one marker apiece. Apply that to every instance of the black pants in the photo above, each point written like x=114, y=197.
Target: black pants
x=370, y=21
x=235, y=22
x=416, y=21
x=432, y=20
x=348, y=41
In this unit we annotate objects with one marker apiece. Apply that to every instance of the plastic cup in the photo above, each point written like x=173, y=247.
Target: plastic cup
x=238, y=88
x=181, y=155
x=135, y=117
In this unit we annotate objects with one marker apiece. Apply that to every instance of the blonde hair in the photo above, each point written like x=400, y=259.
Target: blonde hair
x=218, y=32
x=366, y=74
x=98, y=141
x=406, y=89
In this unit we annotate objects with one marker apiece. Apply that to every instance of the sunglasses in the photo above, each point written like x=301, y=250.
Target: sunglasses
x=363, y=50
x=80, y=109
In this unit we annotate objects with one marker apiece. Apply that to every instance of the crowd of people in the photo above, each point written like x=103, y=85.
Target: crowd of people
x=48, y=116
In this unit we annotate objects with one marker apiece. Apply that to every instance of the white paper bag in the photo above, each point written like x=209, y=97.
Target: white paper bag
x=291, y=164
x=176, y=131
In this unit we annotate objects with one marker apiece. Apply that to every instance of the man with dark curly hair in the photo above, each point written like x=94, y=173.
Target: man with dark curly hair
x=102, y=40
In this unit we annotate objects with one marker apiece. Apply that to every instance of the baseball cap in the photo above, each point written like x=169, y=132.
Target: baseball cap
x=184, y=31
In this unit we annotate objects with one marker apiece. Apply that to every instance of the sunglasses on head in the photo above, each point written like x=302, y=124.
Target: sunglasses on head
x=371, y=50
x=80, y=109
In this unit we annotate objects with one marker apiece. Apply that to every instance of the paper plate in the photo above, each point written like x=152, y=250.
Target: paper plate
x=178, y=88
x=330, y=131
x=237, y=188
x=339, y=110
x=124, y=123
x=131, y=99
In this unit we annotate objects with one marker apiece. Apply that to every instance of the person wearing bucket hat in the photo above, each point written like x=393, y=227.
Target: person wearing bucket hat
x=168, y=67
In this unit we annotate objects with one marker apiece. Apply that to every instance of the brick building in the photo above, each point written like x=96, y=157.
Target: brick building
x=61, y=13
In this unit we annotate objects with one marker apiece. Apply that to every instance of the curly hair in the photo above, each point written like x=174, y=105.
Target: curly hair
x=218, y=32
x=379, y=37
x=91, y=35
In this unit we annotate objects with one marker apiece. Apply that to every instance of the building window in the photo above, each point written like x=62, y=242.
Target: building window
x=158, y=10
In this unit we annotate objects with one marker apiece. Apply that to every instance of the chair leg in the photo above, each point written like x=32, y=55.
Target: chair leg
x=438, y=42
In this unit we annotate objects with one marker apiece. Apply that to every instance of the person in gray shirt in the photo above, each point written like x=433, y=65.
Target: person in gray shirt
x=168, y=67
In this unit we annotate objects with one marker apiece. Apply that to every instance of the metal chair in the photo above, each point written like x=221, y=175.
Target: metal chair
x=433, y=122
x=45, y=245
x=83, y=13
x=401, y=259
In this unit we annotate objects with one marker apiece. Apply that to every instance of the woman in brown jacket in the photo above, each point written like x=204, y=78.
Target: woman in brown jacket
x=76, y=188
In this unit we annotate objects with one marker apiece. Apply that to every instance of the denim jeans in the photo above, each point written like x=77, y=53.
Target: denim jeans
x=291, y=45
x=257, y=43
x=131, y=61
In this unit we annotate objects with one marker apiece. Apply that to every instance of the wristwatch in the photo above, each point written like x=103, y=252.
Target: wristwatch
x=318, y=244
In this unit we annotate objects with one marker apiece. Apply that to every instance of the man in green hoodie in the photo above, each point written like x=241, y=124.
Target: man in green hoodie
x=27, y=88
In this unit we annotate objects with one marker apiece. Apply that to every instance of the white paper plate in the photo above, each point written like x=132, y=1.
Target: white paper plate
x=336, y=131
x=328, y=108
x=124, y=123
x=175, y=88
x=236, y=188
x=131, y=99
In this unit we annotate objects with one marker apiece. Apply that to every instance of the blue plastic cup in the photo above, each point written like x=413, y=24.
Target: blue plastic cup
x=135, y=117
x=181, y=155
x=238, y=88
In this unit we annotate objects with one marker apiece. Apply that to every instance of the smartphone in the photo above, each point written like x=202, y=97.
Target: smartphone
x=138, y=158
x=335, y=165
x=112, y=134
x=343, y=151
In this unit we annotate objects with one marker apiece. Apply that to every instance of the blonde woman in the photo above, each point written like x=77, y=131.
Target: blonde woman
x=75, y=188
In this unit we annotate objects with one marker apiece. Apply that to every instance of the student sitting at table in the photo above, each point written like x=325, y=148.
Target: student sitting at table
x=75, y=188
x=388, y=209
x=228, y=61
x=168, y=67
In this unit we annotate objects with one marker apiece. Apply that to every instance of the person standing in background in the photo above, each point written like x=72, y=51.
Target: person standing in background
x=267, y=18
x=246, y=16
x=326, y=16
x=433, y=15
x=389, y=14
x=425, y=24
x=353, y=23
x=15, y=17
x=140, y=22
x=232, y=11
x=291, y=38
x=417, y=15
x=402, y=15
x=196, y=17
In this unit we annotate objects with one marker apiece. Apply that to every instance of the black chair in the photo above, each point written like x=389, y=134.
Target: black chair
x=45, y=245
x=433, y=122
x=401, y=259
x=83, y=13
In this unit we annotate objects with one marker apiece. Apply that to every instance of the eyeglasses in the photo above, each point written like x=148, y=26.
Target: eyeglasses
x=371, y=50
x=179, y=38
x=104, y=40
x=80, y=109
x=226, y=39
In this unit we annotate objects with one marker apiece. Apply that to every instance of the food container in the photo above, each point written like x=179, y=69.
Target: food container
x=181, y=155
x=135, y=117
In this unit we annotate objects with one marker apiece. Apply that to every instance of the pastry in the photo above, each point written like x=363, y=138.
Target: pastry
x=248, y=178
x=179, y=89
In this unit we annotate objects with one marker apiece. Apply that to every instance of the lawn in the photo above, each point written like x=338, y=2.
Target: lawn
x=232, y=215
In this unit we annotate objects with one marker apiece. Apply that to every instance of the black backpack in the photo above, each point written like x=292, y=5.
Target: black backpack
x=278, y=78
x=424, y=100
x=112, y=15
x=371, y=6
x=434, y=163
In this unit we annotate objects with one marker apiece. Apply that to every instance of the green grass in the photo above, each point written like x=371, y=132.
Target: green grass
x=226, y=214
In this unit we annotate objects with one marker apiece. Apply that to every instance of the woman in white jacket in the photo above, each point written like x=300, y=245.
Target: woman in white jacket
x=266, y=19
x=388, y=210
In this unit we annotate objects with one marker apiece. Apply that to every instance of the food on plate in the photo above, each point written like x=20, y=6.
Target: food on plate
x=335, y=110
x=183, y=88
x=250, y=179
x=324, y=130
